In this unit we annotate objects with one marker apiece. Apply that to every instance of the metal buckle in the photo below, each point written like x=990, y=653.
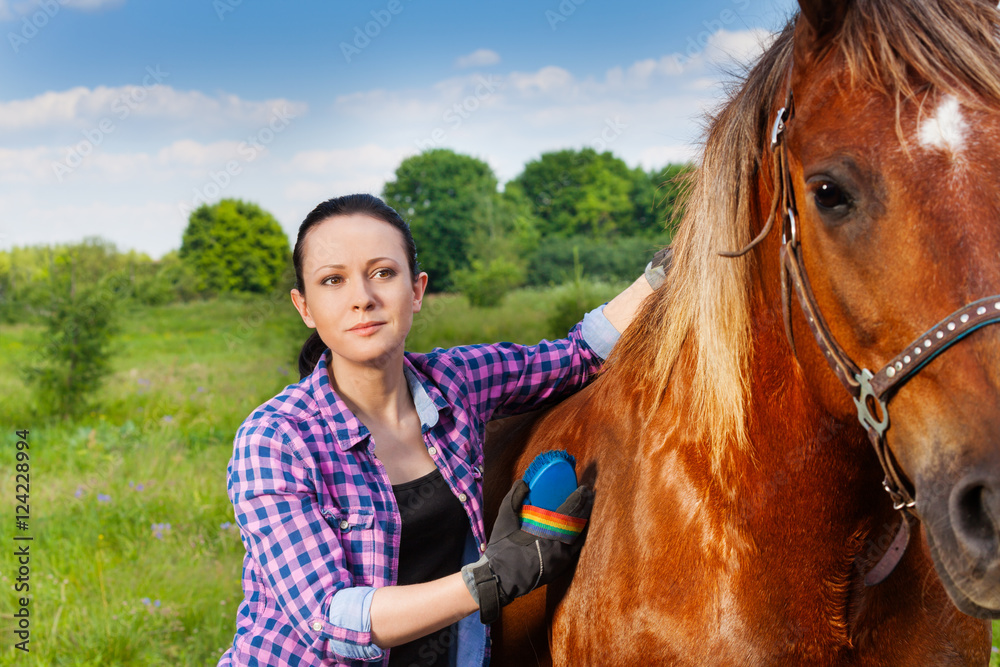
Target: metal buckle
x=865, y=416
x=778, y=127
x=897, y=498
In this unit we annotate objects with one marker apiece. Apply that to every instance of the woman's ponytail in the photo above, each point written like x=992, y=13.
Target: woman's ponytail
x=312, y=350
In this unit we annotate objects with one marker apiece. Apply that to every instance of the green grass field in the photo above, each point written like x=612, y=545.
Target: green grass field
x=134, y=559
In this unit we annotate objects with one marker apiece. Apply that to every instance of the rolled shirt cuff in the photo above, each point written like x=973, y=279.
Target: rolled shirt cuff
x=599, y=333
x=351, y=609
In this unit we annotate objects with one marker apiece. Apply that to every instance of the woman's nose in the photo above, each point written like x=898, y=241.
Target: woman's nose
x=364, y=297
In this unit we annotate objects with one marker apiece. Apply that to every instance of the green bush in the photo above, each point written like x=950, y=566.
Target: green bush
x=73, y=356
x=571, y=302
x=485, y=285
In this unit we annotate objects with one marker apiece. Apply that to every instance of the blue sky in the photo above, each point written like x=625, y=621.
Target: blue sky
x=119, y=116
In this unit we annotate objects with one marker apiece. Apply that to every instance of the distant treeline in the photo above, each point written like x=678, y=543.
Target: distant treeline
x=568, y=213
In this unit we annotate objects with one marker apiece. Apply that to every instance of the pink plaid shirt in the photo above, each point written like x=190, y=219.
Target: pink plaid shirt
x=316, y=510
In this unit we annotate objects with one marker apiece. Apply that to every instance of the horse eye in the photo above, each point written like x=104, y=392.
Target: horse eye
x=829, y=196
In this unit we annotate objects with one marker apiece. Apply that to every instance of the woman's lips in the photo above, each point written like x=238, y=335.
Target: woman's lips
x=366, y=328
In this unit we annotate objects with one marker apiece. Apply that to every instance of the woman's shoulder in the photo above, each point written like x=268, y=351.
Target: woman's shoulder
x=294, y=406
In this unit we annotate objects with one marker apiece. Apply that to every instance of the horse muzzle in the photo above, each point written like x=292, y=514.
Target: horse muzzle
x=962, y=524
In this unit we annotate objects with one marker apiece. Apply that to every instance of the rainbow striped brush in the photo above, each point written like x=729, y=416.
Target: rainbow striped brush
x=551, y=478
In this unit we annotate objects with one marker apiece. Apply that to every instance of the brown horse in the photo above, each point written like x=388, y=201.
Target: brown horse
x=739, y=503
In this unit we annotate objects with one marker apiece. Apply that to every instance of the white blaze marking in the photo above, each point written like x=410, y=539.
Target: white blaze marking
x=945, y=130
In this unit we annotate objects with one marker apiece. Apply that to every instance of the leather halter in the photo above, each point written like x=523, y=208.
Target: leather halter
x=871, y=391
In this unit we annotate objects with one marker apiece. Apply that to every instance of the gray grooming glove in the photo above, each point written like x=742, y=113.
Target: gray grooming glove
x=656, y=270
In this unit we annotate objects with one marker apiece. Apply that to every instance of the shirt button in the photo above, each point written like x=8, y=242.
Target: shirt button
x=317, y=625
x=482, y=547
x=462, y=497
x=344, y=525
x=432, y=450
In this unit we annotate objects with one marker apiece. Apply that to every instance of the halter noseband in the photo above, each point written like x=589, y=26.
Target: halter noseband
x=871, y=391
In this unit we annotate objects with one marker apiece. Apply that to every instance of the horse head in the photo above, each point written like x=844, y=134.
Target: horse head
x=887, y=150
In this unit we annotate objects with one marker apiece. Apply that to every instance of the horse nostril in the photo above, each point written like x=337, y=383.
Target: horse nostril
x=973, y=507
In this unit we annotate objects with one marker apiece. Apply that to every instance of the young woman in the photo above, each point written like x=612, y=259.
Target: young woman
x=358, y=490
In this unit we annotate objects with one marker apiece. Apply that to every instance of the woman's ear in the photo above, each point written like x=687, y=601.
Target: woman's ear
x=299, y=299
x=419, y=287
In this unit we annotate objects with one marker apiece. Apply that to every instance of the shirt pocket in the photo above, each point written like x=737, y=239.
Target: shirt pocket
x=356, y=530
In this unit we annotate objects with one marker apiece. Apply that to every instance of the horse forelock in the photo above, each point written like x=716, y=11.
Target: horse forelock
x=899, y=48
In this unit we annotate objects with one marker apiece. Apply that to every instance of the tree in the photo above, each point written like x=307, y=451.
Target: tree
x=658, y=196
x=451, y=203
x=579, y=192
x=585, y=193
x=235, y=246
x=73, y=357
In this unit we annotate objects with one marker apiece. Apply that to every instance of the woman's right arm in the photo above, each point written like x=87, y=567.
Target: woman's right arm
x=403, y=613
x=299, y=553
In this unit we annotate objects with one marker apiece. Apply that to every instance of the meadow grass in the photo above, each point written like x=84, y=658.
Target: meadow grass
x=134, y=557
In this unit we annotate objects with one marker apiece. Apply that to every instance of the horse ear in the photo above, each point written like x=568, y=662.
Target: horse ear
x=824, y=16
x=819, y=22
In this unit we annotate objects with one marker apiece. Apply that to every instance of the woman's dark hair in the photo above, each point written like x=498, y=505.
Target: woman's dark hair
x=369, y=205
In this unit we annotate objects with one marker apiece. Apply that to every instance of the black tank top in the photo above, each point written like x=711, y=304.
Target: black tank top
x=430, y=547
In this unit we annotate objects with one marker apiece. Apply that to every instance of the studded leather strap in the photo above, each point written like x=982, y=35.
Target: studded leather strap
x=934, y=341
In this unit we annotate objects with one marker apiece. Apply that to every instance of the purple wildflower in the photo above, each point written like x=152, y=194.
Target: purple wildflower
x=103, y=498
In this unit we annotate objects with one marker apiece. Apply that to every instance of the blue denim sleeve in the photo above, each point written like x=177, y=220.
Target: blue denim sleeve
x=599, y=333
x=351, y=608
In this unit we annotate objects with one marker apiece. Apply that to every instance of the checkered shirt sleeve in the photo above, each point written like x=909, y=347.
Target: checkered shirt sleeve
x=507, y=378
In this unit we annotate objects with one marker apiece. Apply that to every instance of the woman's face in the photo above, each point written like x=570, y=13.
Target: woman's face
x=358, y=292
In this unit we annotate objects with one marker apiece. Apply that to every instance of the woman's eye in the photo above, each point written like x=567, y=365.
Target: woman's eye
x=829, y=196
x=332, y=280
x=384, y=273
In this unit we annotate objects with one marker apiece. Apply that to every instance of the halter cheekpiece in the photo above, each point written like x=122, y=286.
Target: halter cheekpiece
x=871, y=391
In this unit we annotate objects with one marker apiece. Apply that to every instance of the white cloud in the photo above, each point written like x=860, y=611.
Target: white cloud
x=82, y=107
x=478, y=58
x=346, y=160
x=547, y=80
x=150, y=226
x=741, y=47
x=655, y=157
x=192, y=153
